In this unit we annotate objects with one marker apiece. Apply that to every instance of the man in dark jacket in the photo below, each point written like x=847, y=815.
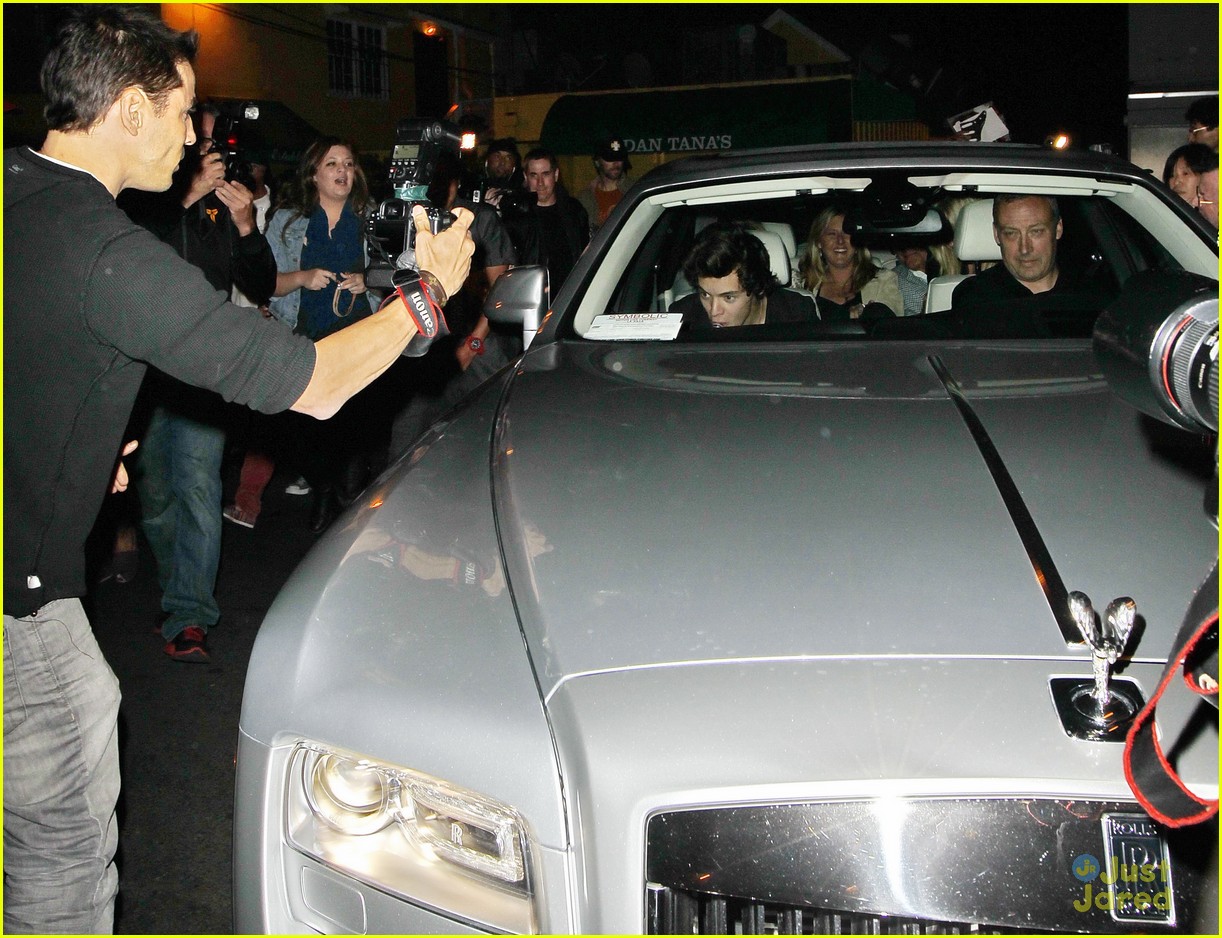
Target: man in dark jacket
x=563, y=225
x=209, y=221
x=735, y=285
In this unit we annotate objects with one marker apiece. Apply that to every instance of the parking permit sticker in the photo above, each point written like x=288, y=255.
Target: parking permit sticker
x=623, y=326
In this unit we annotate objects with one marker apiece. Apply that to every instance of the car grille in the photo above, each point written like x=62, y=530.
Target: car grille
x=676, y=912
x=911, y=867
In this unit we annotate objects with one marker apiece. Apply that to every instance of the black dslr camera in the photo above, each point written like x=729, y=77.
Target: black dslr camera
x=514, y=198
x=227, y=137
x=413, y=159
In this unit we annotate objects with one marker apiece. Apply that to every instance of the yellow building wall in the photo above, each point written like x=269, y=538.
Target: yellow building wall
x=271, y=58
x=278, y=51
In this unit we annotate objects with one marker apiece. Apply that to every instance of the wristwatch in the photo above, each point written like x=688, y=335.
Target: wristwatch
x=475, y=344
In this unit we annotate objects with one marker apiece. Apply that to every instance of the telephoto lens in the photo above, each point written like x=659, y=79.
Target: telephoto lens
x=1158, y=347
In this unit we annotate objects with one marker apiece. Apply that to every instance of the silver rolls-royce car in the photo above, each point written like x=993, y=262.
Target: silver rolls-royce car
x=832, y=622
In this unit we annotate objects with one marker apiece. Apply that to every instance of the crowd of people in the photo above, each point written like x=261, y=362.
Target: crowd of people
x=1191, y=170
x=297, y=252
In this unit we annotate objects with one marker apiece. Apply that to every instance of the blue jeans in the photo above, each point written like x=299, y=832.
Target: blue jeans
x=178, y=477
x=61, y=775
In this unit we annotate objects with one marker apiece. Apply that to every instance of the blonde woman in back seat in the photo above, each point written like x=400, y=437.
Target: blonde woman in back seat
x=846, y=284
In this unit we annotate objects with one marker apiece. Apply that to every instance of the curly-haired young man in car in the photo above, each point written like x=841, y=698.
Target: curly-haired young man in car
x=734, y=283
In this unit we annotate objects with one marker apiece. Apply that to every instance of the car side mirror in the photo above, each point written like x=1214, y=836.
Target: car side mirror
x=519, y=296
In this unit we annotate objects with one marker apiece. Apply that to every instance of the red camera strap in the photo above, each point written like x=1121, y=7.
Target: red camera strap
x=1152, y=778
x=422, y=308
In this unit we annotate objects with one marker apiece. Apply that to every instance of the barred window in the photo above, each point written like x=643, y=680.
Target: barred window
x=356, y=60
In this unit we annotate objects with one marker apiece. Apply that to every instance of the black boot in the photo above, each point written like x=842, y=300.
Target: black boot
x=323, y=510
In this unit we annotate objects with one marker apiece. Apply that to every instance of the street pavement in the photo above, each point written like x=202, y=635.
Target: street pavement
x=178, y=723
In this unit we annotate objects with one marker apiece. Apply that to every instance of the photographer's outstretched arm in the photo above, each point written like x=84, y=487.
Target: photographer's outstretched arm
x=348, y=360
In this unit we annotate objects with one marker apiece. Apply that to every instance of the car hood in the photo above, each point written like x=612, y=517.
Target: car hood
x=670, y=505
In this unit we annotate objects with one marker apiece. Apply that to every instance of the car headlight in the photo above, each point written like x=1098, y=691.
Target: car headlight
x=350, y=796
x=419, y=837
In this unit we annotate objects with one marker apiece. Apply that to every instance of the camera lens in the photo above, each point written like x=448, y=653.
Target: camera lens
x=1158, y=346
x=1187, y=362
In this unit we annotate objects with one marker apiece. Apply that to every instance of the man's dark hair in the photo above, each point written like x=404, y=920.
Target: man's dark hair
x=1006, y=198
x=99, y=51
x=730, y=247
x=540, y=153
x=1196, y=156
x=1203, y=111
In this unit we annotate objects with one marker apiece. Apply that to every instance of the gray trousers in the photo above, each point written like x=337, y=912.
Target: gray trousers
x=61, y=775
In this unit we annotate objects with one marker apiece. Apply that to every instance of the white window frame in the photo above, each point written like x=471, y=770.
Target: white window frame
x=356, y=60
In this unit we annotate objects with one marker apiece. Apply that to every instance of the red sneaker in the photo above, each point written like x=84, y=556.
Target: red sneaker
x=189, y=645
x=239, y=516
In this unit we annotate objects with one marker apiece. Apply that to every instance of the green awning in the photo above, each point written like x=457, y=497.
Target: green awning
x=723, y=118
x=732, y=118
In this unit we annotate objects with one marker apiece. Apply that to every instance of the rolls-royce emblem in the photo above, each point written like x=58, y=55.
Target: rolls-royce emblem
x=1099, y=709
x=1137, y=870
x=1106, y=639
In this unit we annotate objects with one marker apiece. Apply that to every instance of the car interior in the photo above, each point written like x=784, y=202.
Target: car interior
x=1102, y=246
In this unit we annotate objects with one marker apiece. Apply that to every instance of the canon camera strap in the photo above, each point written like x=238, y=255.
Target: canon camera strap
x=423, y=309
x=1154, y=781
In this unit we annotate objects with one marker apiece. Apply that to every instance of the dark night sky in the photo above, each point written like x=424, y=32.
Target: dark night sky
x=1047, y=67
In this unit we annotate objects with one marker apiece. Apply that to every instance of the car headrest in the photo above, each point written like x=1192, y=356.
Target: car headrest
x=778, y=256
x=785, y=230
x=974, y=233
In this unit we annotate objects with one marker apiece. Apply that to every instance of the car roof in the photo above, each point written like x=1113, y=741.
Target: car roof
x=851, y=157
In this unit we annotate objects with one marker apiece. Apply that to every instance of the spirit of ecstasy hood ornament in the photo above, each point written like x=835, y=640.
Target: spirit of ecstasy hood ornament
x=1106, y=639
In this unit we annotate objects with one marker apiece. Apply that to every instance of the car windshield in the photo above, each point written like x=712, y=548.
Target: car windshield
x=889, y=256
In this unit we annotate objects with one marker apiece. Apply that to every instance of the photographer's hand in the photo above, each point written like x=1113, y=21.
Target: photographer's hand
x=447, y=256
x=347, y=360
x=315, y=278
x=211, y=173
x=241, y=204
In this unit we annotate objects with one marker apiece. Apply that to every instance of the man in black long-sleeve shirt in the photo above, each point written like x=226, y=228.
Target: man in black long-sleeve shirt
x=1027, y=228
x=90, y=299
x=210, y=222
x=562, y=224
